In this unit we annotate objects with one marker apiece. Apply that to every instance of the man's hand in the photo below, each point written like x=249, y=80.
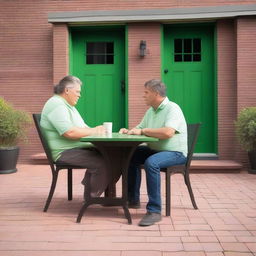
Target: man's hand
x=99, y=130
x=123, y=131
x=134, y=131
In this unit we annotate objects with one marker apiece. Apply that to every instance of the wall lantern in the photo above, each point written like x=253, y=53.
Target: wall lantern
x=142, y=49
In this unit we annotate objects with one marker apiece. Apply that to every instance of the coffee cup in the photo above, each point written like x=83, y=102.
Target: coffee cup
x=108, y=127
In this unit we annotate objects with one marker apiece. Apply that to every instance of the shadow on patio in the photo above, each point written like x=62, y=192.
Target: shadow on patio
x=225, y=223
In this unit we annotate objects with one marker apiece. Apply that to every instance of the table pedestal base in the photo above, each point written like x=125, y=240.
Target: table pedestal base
x=117, y=157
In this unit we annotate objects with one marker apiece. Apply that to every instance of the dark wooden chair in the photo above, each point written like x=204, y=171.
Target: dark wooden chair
x=55, y=166
x=193, y=130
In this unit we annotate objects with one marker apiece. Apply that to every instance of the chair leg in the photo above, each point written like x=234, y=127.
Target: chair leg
x=187, y=182
x=87, y=201
x=127, y=214
x=81, y=212
x=52, y=189
x=168, y=193
x=70, y=184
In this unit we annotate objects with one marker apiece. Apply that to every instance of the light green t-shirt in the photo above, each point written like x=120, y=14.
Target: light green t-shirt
x=57, y=118
x=168, y=114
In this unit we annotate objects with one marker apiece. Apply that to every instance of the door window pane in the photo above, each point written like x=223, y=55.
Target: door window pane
x=187, y=45
x=187, y=49
x=197, y=45
x=187, y=57
x=178, y=45
x=99, y=53
x=197, y=57
x=178, y=57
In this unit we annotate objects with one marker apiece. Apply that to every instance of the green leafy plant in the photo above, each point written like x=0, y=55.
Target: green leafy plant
x=13, y=125
x=246, y=128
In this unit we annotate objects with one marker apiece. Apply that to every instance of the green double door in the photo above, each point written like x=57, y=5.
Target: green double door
x=97, y=58
x=188, y=71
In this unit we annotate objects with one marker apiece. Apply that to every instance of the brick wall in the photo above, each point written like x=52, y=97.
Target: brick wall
x=246, y=62
x=246, y=69
x=226, y=68
x=140, y=69
x=27, y=46
x=60, y=52
x=25, y=61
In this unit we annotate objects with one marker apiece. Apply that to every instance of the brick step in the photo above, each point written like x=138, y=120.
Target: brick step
x=215, y=166
x=39, y=158
x=196, y=165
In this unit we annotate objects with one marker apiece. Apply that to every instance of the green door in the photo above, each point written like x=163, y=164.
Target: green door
x=188, y=71
x=97, y=58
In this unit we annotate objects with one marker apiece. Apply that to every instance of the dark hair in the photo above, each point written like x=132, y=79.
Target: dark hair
x=67, y=81
x=157, y=86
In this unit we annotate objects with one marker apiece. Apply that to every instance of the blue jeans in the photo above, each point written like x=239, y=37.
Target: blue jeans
x=153, y=161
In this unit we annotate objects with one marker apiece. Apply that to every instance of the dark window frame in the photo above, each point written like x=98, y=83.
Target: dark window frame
x=187, y=49
x=99, y=53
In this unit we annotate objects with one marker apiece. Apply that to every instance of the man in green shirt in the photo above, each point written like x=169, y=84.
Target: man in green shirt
x=163, y=120
x=63, y=127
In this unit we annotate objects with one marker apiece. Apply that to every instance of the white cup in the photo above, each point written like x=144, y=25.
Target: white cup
x=108, y=127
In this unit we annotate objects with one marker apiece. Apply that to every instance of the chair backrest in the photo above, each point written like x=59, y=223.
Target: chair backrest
x=37, y=118
x=193, y=131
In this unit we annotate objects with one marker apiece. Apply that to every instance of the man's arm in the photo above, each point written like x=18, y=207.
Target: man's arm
x=77, y=132
x=160, y=133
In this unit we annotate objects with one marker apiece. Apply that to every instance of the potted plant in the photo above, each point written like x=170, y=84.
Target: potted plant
x=246, y=133
x=13, y=128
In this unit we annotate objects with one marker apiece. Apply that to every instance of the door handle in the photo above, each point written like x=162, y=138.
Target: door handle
x=123, y=86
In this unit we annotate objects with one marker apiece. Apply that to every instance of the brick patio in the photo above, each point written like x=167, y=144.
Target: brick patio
x=225, y=223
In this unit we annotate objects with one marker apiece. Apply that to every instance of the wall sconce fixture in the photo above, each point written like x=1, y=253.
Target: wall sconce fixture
x=142, y=49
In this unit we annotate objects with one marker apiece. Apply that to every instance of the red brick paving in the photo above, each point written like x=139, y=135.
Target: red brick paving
x=224, y=225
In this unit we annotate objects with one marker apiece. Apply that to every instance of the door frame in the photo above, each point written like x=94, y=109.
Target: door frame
x=106, y=27
x=215, y=69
